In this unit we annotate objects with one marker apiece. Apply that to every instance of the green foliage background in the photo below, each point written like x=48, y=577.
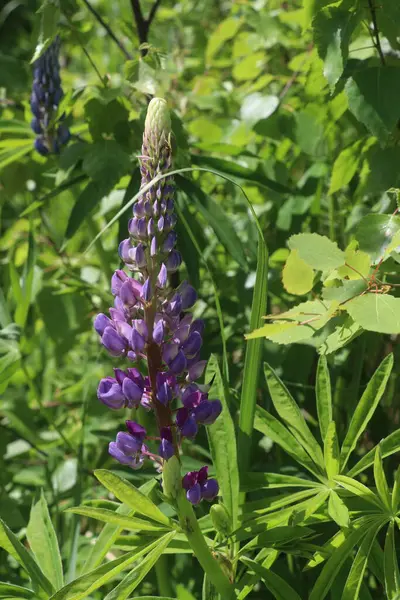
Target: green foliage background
x=298, y=102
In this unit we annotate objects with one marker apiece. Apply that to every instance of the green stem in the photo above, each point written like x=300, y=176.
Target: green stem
x=331, y=213
x=101, y=253
x=197, y=542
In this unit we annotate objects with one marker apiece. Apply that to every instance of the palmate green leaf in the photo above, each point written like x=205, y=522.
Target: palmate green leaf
x=13, y=546
x=332, y=28
x=109, y=516
x=266, y=558
x=133, y=579
x=317, y=251
x=83, y=586
x=297, y=275
x=337, y=510
x=266, y=505
x=252, y=363
x=216, y=218
x=366, y=408
x=391, y=565
x=323, y=393
x=376, y=312
x=380, y=480
x=250, y=482
x=43, y=542
x=290, y=413
x=331, y=451
x=222, y=441
x=110, y=532
x=355, y=578
x=372, y=94
x=389, y=445
x=9, y=590
x=273, y=429
x=273, y=582
x=130, y=495
x=333, y=565
x=359, y=489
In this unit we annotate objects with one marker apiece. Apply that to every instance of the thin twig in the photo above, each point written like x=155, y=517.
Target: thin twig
x=153, y=11
x=377, y=41
x=110, y=32
x=142, y=24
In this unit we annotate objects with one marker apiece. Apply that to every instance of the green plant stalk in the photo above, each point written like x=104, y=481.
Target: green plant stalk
x=191, y=529
x=163, y=577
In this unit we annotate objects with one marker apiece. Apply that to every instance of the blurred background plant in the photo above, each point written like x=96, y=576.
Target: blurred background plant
x=295, y=101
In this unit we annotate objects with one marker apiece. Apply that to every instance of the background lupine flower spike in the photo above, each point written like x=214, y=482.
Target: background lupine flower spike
x=150, y=323
x=46, y=96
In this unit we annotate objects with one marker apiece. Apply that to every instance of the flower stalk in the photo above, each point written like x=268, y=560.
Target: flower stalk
x=151, y=326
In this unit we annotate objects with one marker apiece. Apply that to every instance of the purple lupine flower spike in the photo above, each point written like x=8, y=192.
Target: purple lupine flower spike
x=45, y=97
x=151, y=323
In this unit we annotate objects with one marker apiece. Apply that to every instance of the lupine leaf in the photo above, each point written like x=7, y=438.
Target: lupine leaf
x=331, y=451
x=130, y=495
x=355, y=577
x=380, y=480
x=109, y=516
x=274, y=583
x=266, y=558
x=110, y=532
x=358, y=489
x=366, y=408
x=222, y=440
x=389, y=445
x=277, y=536
x=43, y=542
x=323, y=394
x=290, y=413
x=396, y=491
x=255, y=481
x=334, y=564
x=9, y=590
x=83, y=586
x=133, y=579
x=272, y=428
x=391, y=565
x=337, y=510
x=13, y=546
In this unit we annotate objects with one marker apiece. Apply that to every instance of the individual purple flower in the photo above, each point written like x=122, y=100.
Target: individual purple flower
x=113, y=341
x=166, y=449
x=198, y=486
x=110, y=393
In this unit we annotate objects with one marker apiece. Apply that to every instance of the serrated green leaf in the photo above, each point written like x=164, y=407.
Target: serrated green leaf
x=376, y=312
x=366, y=408
x=273, y=582
x=342, y=336
x=372, y=94
x=109, y=516
x=317, y=251
x=391, y=566
x=43, y=542
x=222, y=441
x=323, y=394
x=332, y=28
x=133, y=579
x=375, y=233
x=297, y=275
x=337, y=510
x=290, y=413
x=345, y=167
x=357, y=265
x=380, y=480
x=131, y=496
x=331, y=451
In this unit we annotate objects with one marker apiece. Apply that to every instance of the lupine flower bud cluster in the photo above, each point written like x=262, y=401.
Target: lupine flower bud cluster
x=150, y=325
x=45, y=98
